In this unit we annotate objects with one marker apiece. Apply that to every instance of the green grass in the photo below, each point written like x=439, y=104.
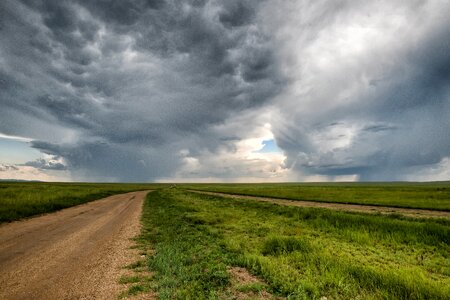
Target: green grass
x=298, y=253
x=19, y=200
x=434, y=195
x=189, y=259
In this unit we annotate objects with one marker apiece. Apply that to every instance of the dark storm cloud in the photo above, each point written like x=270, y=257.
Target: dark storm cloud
x=118, y=88
x=112, y=162
x=46, y=164
x=237, y=13
x=5, y=168
x=379, y=127
x=133, y=90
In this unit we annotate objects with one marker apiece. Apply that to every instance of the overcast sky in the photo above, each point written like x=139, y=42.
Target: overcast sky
x=233, y=91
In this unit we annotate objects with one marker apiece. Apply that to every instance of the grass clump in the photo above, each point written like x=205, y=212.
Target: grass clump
x=255, y=287
x=129, y=279
x=280, y=245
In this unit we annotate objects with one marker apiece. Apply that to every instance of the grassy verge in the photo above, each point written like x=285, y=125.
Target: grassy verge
x=190, y=260
x=20, y=200
x=435, y=195
x=298, y=253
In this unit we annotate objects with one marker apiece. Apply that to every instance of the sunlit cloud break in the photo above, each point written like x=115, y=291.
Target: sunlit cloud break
x=226, y=91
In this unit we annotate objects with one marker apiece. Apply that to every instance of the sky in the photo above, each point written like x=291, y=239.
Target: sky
x=224, y=91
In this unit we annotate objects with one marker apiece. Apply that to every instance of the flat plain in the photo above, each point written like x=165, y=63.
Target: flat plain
x=429, y=195
x=25, y=199
x=205, y=246
x=195, y=242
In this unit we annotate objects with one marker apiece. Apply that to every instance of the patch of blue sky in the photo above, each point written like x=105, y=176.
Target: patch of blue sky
x=16, y=152
x=269, y=147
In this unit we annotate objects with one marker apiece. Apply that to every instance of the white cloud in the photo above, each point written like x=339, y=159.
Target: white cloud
x=435, y=172
x=31, y=173
x=15, y=138
x=236, y=161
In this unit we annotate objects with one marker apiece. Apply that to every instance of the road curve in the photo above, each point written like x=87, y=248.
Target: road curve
x=75, y=253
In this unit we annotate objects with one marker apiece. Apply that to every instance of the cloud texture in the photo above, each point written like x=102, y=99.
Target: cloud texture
x=141, y=90
x=370, y=88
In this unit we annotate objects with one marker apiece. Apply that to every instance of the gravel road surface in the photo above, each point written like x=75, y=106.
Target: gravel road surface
x=75, y=253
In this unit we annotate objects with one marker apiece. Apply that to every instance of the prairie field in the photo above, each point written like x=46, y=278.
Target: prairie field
x=194, y=243
x=432, y=195
x=24, y=199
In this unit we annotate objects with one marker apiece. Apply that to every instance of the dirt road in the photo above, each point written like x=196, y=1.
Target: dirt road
x=76, y=253
x=408, y=212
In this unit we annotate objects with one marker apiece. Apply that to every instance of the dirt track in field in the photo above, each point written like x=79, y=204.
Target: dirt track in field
x=408, y=212
x=75, y=253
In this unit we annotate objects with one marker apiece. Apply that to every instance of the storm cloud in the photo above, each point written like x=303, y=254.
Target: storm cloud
x=143, y=90
x=370, y=89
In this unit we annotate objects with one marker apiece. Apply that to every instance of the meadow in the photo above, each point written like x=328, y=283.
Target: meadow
x=198, y=246
x=24, y=199
x=193, y=242
x=433, y=195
